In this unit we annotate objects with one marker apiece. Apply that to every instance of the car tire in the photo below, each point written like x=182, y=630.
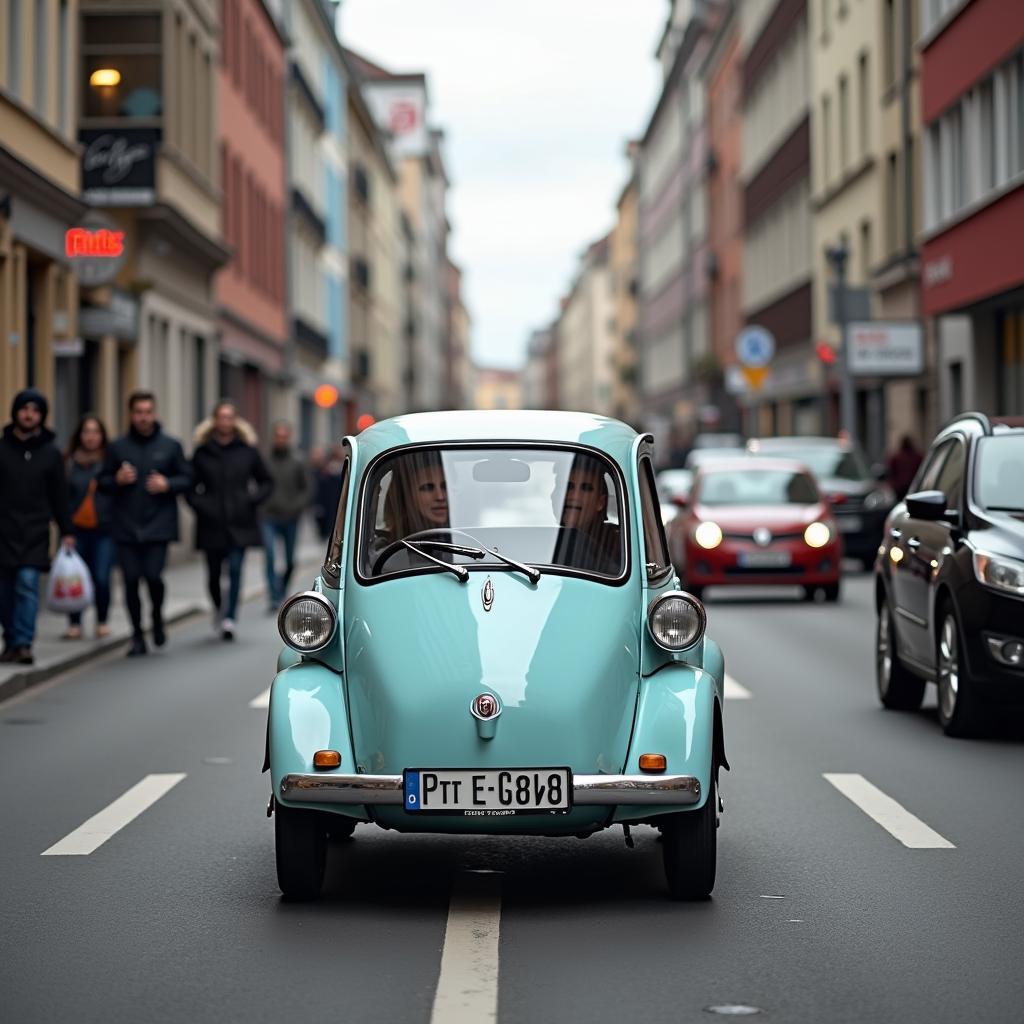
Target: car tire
x=300, y=843
x=810, y=594
x=832, y=592
x=898, y=688
x=868, y=562
x=690, y=850
x=341, y=827
x=959, y=714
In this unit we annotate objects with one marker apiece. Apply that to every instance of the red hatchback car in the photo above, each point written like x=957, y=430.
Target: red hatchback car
x=757, y=521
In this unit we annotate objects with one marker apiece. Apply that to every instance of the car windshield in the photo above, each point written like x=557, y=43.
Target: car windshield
x=826, y=462
x=758, y=487
x=999, y=483
x=492, y=508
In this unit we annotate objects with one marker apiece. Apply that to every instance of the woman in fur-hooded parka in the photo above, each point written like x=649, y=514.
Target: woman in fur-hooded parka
x=229, y=483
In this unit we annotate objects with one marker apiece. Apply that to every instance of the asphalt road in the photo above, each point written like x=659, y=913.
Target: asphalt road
x=820, y=914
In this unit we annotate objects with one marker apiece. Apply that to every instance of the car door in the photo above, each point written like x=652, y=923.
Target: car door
x=928, y=543
x=911, y=626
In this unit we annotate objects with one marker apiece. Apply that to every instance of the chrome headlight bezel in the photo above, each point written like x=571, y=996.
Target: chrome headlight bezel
x=323, y=602
x=698, y=607
x=983, y=561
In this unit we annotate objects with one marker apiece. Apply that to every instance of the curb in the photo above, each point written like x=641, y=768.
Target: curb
x=34, y=675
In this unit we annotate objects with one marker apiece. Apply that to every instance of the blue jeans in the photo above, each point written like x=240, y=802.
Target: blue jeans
x=19, y=605
x=286, y=530
x=97, y=550
x=214, y=564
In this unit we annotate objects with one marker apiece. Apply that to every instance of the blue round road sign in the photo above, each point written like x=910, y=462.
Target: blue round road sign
x=755, y=346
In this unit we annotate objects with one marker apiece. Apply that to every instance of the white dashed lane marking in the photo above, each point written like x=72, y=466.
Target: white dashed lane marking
x=262, y=701
x=911, y=831
x=467, y=989
x=733, y=690
x=125, y=809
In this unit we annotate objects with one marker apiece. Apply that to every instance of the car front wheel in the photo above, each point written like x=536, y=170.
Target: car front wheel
x=959, y=714
x=898, y=689
x=300, y=842
x=690, y=850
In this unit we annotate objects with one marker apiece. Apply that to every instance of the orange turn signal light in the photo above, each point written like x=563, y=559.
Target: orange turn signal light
x=653, y=762
x=326, y=759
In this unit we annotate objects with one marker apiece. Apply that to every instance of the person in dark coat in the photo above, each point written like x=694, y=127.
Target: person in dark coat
x=229, y=481
x=144, y=472
x=903, y=466
x=33, y=491
x=90, y=516
x=291, y=494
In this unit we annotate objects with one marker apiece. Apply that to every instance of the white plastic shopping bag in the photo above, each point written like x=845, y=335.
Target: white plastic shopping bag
x=70, y=588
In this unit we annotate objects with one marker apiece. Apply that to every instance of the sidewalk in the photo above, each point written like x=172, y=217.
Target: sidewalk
x=186, y=596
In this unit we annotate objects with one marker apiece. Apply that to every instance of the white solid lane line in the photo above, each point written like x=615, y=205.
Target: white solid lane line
x=733, y=690
x=125, y=809
x=467, y=989
x=262, y=701
x=895, y=819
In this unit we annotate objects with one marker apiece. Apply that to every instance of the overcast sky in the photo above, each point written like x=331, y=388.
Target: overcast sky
x=537, y=99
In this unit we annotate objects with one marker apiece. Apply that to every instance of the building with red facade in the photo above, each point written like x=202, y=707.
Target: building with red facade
x=972, y=98
x=251, y=290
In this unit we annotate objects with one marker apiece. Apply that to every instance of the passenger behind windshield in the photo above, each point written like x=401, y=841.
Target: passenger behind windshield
x=588, y=541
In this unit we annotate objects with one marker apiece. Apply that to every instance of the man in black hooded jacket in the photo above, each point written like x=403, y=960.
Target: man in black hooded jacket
x=33, y=490
x=144, y=471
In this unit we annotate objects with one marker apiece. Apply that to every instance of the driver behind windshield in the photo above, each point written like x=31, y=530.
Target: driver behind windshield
x=587, y=541
x=416, y=500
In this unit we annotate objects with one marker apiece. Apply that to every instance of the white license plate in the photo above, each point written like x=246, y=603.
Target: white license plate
x=488, y=793
x=764, y=559
x=849, y=524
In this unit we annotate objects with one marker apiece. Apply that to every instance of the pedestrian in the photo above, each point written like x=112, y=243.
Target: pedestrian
x=229, y=481
x=90, y=517
x=144, y=472
x=33, y=491
x=328, y=490
x=903, y=465
x=291, y=493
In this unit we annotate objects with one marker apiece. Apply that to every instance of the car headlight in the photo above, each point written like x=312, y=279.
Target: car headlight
x=883, y=497
x=307, y=622
x=708, y=535
x=677, y=621
x=1006, y=574
x=817, y=535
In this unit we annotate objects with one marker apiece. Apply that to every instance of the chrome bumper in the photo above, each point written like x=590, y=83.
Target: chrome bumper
x=587, y=790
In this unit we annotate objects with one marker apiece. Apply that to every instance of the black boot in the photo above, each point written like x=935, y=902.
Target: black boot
x=138, y=647
x=159, y=636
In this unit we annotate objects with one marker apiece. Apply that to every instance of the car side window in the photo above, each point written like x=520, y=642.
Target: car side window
x=332, y=563
x=929, y=474
x=951, y=477
x=655, y=545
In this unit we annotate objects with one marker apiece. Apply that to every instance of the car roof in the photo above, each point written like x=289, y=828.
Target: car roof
x=612, y=437
x=756, y=443
x=758, y=462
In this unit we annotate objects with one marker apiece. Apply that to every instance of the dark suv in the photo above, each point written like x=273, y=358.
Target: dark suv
x=860, y=501
x=949, y=579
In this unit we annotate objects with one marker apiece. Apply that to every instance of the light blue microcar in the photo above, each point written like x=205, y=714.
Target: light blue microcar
x=496, y=644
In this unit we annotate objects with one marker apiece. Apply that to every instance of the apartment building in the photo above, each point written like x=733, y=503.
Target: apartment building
x=40, y=176
x=251, y=290
x=460, y=365
x=775, y=174
x=972, y=109
x=623, y=262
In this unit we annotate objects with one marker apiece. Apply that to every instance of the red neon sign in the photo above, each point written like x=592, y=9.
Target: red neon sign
x=103, y=243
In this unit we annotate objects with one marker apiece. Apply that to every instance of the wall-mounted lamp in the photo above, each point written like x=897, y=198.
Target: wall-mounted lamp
x=105, y=77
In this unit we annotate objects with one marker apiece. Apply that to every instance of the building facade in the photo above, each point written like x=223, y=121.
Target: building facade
x=496, y=388
x=775, y=175
x=40, y=175
x=723, y=77
x=460, y=365
x=623, y=260
x=251, y=290
x=316, y=106
x=972, y=109
x=151, y=170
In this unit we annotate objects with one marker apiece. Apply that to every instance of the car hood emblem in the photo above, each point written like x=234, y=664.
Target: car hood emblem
x=762, y=536
x=487, y=594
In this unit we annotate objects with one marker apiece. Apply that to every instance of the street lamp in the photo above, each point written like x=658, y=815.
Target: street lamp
x=837, y=256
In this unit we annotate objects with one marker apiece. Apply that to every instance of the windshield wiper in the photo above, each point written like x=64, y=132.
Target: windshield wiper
x=532, y=574
x=1005, y=508
x=460, y=572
